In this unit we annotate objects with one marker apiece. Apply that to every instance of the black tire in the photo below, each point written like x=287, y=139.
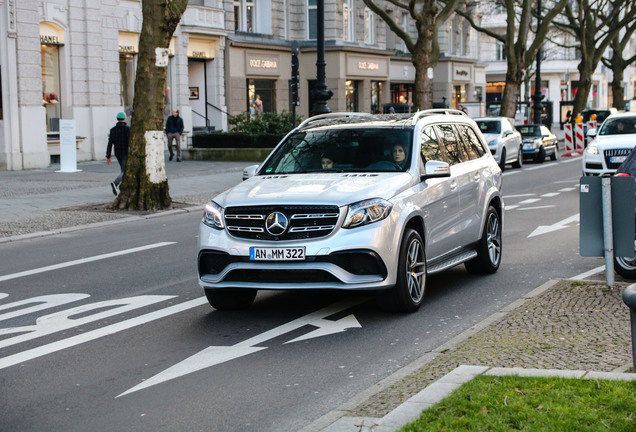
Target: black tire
x=410, y=287
x=519, y=162
x=489, y=248
x=554, y=156
x=502, y=161
x=230, y=299
x=540, y=157
x=626, y=266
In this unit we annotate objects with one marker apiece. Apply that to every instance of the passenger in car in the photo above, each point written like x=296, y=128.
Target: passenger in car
x=327, y=161
x=399, y=155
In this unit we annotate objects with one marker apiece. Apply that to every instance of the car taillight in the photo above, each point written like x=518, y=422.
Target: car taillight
x=621, y=175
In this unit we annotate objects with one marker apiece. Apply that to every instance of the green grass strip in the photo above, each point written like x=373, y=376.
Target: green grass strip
x=513, y=403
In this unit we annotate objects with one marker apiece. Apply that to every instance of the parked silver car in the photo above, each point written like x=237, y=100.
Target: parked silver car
x=504, y=141
x=353, y=201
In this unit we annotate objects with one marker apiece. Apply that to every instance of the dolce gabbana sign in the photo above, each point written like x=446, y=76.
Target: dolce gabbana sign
x=462, y=73
x=376, y=67
x=262, y=64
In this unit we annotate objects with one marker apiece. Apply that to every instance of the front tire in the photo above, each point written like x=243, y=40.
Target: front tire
x=409, y=290
x=540, y=157
x=519, y=162
x=554, y=156
x=626, y=266
x=230, y=299
x=489, y=248
x=502, y=160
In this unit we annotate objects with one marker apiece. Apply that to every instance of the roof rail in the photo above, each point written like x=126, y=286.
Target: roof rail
x=449, y=111
x=331, y=115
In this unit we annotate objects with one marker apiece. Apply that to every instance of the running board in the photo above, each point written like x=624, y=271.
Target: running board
x=452, y=262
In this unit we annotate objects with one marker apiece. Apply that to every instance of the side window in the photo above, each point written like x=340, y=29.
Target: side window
x=430, y=149
x=450, y=142
x=473, y=147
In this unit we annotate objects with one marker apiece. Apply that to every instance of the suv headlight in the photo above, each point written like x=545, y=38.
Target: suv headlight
x=493, y=142
x=591, y=149
x=367, y=212
x=213, y=216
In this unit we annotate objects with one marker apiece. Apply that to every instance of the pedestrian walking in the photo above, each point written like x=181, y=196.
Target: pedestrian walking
x=174, y=129
x=119, y=137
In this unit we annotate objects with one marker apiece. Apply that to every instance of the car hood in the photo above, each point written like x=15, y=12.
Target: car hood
x=329, y=189
x=615, y=141
x=490, y=136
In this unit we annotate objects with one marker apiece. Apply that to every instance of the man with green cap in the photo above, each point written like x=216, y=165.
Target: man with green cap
x=119, y=137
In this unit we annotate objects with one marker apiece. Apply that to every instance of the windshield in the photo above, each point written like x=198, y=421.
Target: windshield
x=619, y=126
x=489, y=126
x=341, y=150
x=529, y=131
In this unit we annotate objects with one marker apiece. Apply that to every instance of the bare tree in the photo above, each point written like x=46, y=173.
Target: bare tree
x=595, y=24
x=520, y=43
x=617, y=63
x=145, y=185
x=428, y=16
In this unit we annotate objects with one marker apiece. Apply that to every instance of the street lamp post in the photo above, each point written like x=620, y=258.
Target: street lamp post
x=320, y=94
x=538, y=106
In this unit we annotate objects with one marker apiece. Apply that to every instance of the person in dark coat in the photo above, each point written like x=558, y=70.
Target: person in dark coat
x=174, y=129
x=119, y=137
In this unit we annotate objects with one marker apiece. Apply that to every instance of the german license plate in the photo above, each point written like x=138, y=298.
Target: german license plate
x=277, y=254
x=617, y=159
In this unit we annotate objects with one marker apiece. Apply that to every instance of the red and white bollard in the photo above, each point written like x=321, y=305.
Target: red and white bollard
x=579, y=136
x=569, y=142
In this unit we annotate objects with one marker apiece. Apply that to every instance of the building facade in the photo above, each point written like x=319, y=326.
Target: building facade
x=76, y=60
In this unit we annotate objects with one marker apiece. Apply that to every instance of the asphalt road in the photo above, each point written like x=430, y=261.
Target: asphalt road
x=124, y=339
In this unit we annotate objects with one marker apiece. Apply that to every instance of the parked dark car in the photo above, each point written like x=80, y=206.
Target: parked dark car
x=626, y=266
x=538, y=142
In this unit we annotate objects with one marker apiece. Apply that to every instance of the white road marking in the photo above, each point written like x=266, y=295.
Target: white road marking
x=550, y=195
x=98, y=333
x=530, y=201
x=82, y=261
x=567, y=189
x=518, y=196
x=214, y=355
x=588, y=273
x=64, y=320
x=543, y=229
x=536, y=207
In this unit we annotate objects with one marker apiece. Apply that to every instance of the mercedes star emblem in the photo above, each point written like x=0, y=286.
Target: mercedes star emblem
x=276, y=223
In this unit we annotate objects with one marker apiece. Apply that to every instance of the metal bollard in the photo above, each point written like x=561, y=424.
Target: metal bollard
x=629, y=298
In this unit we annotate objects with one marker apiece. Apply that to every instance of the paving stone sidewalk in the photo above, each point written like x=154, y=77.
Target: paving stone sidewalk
x=578, y=325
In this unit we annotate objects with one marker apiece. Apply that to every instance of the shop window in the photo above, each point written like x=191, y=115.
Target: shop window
x=127, y=81
x=50, y=56
x=351, y=96
x=376, y=97
x=266, y=92
x=401, y=93
x=312, y=19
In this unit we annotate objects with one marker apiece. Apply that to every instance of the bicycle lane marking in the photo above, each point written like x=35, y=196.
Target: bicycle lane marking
x=82, y=261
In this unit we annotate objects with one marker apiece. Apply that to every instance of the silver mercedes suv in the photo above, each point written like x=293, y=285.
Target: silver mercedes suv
x=354, y=201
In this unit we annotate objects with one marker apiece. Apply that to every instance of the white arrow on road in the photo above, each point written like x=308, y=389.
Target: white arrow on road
x=544, y=229
x=219, y=354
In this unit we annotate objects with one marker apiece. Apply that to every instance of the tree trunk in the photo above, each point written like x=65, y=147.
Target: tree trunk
x=423, y=86
x=618, y=92
x=145, y=185
x=514, y=80
x=585, y=85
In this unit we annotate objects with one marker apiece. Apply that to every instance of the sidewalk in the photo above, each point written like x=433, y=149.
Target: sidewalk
x=39, y=200
x=571, y=327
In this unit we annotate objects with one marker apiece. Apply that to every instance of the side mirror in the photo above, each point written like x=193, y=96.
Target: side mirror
x=435, y=169
x=249, y=171
x=591, y=132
